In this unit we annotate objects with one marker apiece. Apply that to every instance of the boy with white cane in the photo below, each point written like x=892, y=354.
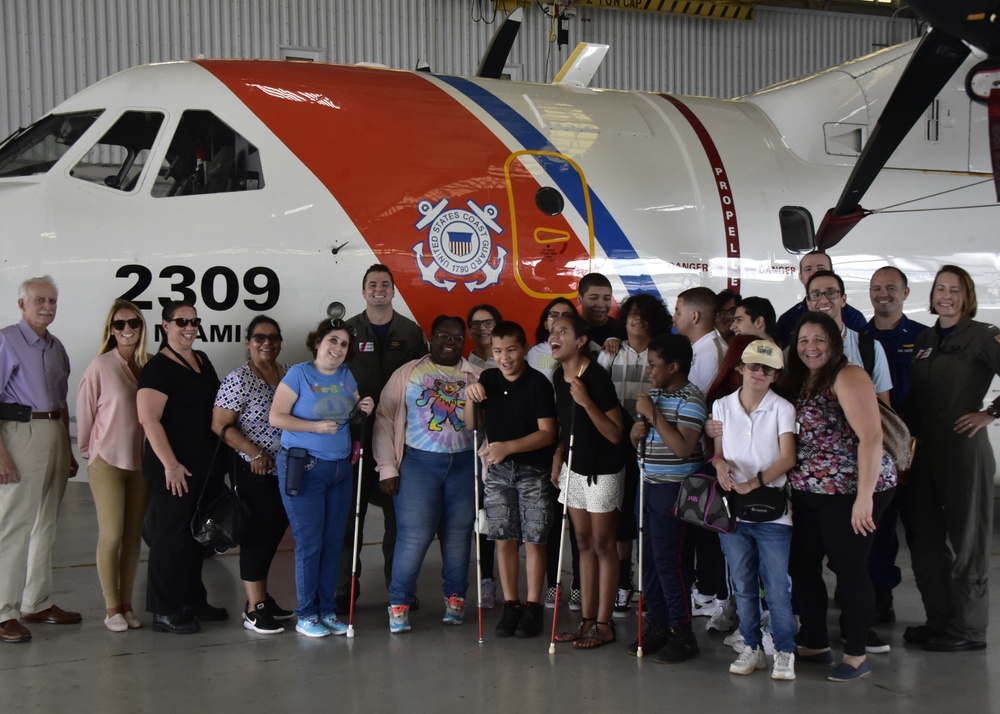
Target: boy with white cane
x=520, y=418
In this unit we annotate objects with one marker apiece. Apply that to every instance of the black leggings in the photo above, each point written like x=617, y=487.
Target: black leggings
x=268, y=521
x=821, y=527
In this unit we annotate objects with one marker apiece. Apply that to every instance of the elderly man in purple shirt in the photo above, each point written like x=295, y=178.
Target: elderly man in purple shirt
x=35, y=460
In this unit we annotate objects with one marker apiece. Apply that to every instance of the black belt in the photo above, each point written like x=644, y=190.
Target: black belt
x=47, y=415
x=11, y=411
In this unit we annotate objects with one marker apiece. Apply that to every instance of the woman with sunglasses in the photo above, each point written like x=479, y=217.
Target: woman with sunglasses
x=177, y=389
x=243, y=404
x=313, y=406
x=109, y=436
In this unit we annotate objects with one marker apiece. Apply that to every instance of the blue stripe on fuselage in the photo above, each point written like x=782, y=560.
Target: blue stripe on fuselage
x=607, y=232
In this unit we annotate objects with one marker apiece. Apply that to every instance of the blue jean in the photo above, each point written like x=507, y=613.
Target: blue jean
x=436, y=496
x=318, y=517
x=666, y=578
x=758, y=552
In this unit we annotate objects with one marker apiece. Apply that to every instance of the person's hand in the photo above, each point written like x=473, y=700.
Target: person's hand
x=578, y=390
x=496, y=451
x=325, y=427
x=861, y=515
x=262, y=465
x=177, y=477
x=612, y=345
x=74, y=466
x=743, y=487
x=476, y=392
x=713, y=428
x=367, y=405
x=644, y=406
x=555, y=476
x=8, y=474
x=389, y=486
x=971, y=423
x=724, y=473
x=639, y=431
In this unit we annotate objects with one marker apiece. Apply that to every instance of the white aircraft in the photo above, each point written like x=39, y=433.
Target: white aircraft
x=268, y=186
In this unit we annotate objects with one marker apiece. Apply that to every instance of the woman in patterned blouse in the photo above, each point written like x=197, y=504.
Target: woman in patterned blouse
x=842, y=482
x=243, y=403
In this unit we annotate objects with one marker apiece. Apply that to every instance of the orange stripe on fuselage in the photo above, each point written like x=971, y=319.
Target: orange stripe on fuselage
x=382, y=141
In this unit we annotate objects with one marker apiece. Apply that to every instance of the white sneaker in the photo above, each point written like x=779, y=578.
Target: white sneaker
x=736, y=641
x=784, y=666
x=768, y=642
x=749, y=660
x=703, y=605
x=724, y=619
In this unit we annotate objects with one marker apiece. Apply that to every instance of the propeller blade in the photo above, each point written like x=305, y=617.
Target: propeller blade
x=495, y=59
x=936, y=59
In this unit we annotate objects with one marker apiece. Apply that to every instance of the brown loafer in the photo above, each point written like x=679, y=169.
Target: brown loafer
x=53, y=615
x=13, y=631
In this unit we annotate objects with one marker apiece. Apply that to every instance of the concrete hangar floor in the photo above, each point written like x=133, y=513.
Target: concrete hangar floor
x=435, y=668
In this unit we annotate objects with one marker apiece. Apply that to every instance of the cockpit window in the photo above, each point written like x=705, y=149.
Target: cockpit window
x=37, y=149
x=117, y=160
x=207, y=156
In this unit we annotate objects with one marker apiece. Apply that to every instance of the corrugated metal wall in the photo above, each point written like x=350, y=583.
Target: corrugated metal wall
x=53, y=48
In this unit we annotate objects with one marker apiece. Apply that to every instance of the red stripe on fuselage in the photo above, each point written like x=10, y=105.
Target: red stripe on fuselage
x=729, y=220
x=382, y=142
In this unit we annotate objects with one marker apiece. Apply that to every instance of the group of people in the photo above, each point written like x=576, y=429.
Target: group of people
x=601, y=419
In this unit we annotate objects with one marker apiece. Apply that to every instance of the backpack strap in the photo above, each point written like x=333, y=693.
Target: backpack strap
x=866, y=346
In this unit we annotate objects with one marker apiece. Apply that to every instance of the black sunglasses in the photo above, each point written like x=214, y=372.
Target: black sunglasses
x=339, y=324
x=135, y=323
x=185, y=321
x=259, y=338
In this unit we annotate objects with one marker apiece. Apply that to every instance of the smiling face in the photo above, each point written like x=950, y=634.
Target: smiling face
x=887, y=293
x=446, y=343
x=181, y=337
x=509, y=354
x=265, y=343
x=481, y=327
x=813, y=346
x=813, y=263
x=378, y=290
x=564, y=341
x=757, y=382
x=38, y=307
x=331, y=351
x=595, y=305
x=947, y=297
x=636, y=326
x=659, y=372
x=825, y=296
x=127, y=337
x=724, y=319
x=743, y=325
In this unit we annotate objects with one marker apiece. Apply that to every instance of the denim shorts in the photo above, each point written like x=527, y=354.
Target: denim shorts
x=518, y=501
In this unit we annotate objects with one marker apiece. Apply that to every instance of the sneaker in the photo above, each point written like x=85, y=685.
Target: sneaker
x=844, y=672
x=623, y=602
x=312, y=627
x=736, y=641
x=262, y=621
x=334, y=625
x=575, y=601
x=750, y=659
x=454, y=610
x=724, y=619
x=681, y=647
x=875, y=644
x=399, y=619
x=784, y=666
x=277, y=612
x=531, y=621
x=489, y=599
x=550, y=598
x=703, y=605
x=654, y=639
x=767, y=641
x=512, y=611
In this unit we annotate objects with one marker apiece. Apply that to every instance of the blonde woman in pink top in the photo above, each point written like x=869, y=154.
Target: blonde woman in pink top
x=110, y=438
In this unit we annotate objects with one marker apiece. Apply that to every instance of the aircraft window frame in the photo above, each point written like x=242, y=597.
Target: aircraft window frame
x=207, y=156
x=67, y=128
x=124, y=149
x=798, y=233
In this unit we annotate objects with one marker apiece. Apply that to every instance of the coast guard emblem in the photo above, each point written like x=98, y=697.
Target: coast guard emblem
x=460, y=244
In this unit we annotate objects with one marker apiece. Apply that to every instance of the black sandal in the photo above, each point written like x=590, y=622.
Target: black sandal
x=574, y=635
x=593, y=639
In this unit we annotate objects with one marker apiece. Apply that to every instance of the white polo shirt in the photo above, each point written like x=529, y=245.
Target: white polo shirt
x=750, y=441
x=880, y=371
x=708, y=353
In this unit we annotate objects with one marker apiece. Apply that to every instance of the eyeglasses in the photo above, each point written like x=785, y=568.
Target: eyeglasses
x=555, y=314
x=135, y=323
x=339, y=324
x=754, y=367
x=449, y=337
x=730, y=313
x=488, y=324
x=831, y=294
x=185, y=321
x=260, y=338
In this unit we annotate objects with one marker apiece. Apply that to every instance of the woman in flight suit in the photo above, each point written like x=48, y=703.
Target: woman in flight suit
x=952, y=478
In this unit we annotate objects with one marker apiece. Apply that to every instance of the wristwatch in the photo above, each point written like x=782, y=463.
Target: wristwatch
x=993, y=410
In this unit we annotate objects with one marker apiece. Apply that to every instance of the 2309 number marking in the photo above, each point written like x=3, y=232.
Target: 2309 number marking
x=219, y=288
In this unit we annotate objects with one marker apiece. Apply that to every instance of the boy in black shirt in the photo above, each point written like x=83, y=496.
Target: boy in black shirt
x=520, y=430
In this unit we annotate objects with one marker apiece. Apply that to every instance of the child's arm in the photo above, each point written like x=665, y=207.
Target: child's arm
x=546, y=434
x=683, y=441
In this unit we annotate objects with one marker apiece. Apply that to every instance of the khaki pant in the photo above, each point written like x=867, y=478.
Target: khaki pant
x=28, y=513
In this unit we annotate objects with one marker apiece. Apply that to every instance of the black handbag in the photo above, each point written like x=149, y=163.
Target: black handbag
x=760, y=505
x=221, y=523
x=704, y=503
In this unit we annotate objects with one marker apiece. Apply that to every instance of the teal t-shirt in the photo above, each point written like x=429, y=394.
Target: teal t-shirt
x=321, y=397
